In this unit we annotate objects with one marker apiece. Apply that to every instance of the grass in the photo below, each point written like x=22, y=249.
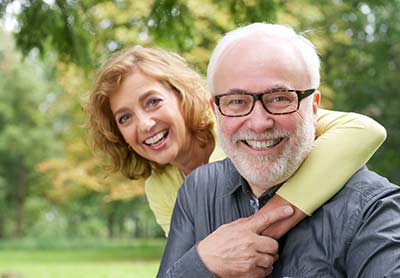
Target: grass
x=78, y=259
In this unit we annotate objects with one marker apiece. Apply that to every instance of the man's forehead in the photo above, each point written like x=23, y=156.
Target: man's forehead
x=254, y=41
x=262, y=63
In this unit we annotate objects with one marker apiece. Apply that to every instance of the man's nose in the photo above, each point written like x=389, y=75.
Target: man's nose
x=259, y=119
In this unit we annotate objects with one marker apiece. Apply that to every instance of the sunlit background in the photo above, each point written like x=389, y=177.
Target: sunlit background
x=61, y=213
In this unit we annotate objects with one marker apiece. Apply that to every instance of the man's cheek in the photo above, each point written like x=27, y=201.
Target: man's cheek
x=228, y=128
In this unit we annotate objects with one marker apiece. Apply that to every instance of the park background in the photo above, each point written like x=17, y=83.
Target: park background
x=61, y=214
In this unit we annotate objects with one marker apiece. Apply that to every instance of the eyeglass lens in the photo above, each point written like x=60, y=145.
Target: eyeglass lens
x=274, y=102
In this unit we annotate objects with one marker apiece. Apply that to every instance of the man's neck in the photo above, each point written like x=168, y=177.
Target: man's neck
x=264, y=197
x=258, y=190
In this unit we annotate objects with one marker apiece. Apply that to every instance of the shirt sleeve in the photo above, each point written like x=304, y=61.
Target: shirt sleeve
x=374, y=249
x=180, y=258
x=345, y=141
x=161, y=190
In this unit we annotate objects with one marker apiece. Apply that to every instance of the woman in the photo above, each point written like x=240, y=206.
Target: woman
x=149, y=111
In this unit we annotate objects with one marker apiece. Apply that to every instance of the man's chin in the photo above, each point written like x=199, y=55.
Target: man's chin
x=261, y=170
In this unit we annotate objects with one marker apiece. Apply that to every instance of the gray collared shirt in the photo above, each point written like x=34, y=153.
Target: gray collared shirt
x=355, y=234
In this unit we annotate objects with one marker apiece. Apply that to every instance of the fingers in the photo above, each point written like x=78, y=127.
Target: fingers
x=265, y=261
x=266, y=245
x=280, y=228
x=261, y=272
x=264, y=266
x=263, y=219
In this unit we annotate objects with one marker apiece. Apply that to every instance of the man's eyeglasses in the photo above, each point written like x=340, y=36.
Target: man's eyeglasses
x=276, y=102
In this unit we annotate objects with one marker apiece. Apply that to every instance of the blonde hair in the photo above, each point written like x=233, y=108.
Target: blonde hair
x=173, y=72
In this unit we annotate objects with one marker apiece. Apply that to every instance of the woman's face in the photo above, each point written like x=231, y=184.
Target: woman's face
x=149, y=117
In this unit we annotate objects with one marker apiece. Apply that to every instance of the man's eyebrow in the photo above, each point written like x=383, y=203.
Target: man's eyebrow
x=273, y=88
x=236, y=90
x=278, y=87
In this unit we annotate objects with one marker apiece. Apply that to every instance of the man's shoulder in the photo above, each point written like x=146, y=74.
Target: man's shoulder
x=346, y=224
x=368, y=185
x=223, y=165
x=217, y=177
x=365, y=193
x=211, y=170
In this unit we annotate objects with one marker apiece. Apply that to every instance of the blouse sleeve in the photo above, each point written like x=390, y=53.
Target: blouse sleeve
x=345, y=141
x=161, y=190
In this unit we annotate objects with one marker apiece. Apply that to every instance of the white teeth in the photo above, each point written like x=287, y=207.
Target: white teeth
x=155, y=138
x=261, y=145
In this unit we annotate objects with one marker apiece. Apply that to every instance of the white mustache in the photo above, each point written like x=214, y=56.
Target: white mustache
x=251, y=135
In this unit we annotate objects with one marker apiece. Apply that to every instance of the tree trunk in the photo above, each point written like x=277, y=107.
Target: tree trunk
x=2, y=226
x=110, y=225
x=21, y=189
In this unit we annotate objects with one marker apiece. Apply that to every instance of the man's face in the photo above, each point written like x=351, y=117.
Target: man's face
x=266, y=149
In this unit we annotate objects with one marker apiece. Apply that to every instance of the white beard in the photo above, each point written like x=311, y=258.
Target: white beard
x=265, y=171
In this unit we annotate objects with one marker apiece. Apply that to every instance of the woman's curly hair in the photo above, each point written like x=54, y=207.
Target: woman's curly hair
x=173, y=72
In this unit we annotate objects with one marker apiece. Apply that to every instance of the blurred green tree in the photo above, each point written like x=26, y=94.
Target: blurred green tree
x=84, y=31
x=359, y=42
x=26, y=133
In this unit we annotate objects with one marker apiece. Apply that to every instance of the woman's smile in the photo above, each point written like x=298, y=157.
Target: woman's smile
x=158, y=139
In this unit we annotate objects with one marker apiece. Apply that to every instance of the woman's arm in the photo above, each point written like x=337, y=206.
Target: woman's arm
x=345, y=141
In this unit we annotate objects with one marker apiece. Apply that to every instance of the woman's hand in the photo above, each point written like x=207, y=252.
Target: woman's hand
x=281, y=227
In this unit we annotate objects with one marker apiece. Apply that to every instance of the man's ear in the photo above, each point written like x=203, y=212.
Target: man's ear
x=212, y=104
x=316, y=100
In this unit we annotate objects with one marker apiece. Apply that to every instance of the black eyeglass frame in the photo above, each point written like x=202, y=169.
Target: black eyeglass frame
x=258, y=96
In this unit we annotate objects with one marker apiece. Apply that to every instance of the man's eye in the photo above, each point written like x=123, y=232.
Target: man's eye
x=123, y=119
x=236, y=102
x=282, y=99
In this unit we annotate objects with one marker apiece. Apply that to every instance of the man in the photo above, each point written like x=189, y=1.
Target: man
x=264, y=81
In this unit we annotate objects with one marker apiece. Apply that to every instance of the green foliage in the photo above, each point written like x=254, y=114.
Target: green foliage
x=171, y=22
x=245, y=12
x=361, y=61
x=26, y=135
x=59, y=26
x=3, y=6
x=82, y=31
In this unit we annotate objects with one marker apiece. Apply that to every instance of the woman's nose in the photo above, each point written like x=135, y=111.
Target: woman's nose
x=147, y=123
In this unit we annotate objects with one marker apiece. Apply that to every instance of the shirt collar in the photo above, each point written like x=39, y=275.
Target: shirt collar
x=236, y=181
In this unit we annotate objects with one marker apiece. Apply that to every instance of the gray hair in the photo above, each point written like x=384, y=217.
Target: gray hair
x=306, y=48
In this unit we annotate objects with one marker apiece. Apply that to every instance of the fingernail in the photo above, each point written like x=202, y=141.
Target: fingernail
x=288, y=210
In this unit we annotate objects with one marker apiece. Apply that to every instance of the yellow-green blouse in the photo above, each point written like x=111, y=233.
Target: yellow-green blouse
x=345, y=141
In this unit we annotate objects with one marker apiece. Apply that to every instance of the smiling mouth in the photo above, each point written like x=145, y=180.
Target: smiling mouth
x=157, y=139
x=263, y=145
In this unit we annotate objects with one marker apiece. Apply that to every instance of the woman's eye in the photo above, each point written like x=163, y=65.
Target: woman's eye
x=123, y=119
x=153, y=101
